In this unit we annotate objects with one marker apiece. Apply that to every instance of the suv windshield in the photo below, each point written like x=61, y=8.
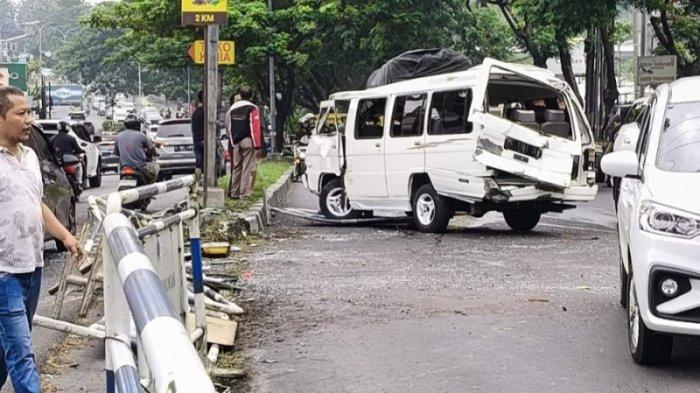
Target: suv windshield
x=174, y=130
x=679, y=144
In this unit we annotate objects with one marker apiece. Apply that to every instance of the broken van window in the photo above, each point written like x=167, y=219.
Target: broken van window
x=370, y=118
x=407, y=119
x=449, y=112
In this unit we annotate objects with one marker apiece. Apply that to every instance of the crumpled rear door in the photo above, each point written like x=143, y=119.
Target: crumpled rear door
x=517, y=149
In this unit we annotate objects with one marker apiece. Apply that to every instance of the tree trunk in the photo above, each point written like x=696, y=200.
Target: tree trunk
x=610, y=92
x=566, y=67
x=284, y=106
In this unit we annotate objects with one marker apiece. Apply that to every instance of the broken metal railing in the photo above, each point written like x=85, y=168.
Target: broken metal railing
x=133, y=289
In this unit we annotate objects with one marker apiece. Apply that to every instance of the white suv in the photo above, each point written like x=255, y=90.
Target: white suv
x=659, y=222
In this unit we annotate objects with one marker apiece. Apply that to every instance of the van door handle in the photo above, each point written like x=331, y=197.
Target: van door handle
x=417, y=143
x=377, y=145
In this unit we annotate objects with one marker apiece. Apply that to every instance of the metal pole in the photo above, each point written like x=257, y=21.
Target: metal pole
x=212, y=52
x=273, y=96
x=197, y=275
x=189, y=100
x=139, y=106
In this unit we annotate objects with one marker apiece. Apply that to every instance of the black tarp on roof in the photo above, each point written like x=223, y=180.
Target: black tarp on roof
x=418, y=63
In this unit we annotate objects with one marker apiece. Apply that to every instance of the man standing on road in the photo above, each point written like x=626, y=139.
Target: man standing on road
x=24, y=220
x=198, y=132
x=244, y=134
x=135, y=150
x=63, y=143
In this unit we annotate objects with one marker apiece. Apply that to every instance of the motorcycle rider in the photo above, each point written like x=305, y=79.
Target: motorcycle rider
x=135, y=150
x=63, y=143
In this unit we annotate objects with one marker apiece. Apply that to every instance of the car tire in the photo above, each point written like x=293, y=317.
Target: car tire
x=334, y=202
x=522, y=220
x=624, y=292
x=647, y=347
x=431, y=212
x=96, y=181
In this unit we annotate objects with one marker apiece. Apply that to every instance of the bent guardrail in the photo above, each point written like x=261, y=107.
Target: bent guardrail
x=133, y=289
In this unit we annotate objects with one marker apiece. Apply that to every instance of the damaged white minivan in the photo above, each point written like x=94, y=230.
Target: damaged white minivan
x=497, y=137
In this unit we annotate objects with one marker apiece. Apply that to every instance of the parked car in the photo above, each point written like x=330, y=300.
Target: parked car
x=109, y=162
x=658, y=215
x=76, y=115
x=119, y=114
x=86, y=142
x=465, y=141
x=151, y=132
x=175, y=149
x=58, y=190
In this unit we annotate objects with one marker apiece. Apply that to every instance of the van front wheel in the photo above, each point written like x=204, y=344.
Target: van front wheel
x=334, y=202
x=431, y=212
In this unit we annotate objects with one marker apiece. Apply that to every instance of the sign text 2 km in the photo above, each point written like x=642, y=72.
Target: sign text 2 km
x=204, y=12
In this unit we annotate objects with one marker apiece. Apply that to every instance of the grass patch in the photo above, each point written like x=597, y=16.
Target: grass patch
x=268, y=173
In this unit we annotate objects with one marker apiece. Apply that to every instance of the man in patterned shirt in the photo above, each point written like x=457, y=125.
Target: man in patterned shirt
x=22, y=224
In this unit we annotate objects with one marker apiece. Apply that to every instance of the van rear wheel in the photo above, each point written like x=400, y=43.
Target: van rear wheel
x=431, y=212
x=334, y=202
x=522, y=220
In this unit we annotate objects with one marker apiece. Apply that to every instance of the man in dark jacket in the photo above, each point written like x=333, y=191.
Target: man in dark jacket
x=198, y=121
x=63, y=143
x=245, y=137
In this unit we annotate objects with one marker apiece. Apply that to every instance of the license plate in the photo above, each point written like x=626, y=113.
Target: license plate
x=127, y=183
x=183, y=148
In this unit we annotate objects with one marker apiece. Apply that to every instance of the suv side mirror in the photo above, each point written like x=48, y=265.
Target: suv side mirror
x=626, y=138
x=621, y=164
x=69, y=159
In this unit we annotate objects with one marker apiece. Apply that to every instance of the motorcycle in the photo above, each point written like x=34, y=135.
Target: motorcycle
x=70, y=164
x=129, y=178
x=299, y=162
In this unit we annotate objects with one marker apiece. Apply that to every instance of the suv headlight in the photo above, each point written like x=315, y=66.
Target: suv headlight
x=665, y=220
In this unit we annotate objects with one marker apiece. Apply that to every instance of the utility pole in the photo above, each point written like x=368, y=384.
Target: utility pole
x=211, y=39
x=139, y=107
x=189, y=100
x=273, y=97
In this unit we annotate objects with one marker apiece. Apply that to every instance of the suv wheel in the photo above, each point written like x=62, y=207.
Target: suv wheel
x=334, y=202
x=431, y=212
x=646, y=346
x=96, y=181
x=522, y=220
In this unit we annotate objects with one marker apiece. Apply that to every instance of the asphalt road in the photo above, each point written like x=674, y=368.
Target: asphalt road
x=480, y=308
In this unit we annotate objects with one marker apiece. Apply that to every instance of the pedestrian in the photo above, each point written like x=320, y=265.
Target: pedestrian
x=198, y=132
x=135, y=150
x=63, y=143
x=245, y=137
x=24, y=221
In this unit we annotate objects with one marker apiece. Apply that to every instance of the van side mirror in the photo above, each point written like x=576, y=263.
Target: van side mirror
x=621, y=164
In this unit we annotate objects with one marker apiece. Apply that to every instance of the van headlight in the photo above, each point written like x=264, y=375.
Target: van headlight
x=664, y=220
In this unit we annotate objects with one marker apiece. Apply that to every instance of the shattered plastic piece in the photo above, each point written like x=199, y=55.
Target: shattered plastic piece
x=538, y=300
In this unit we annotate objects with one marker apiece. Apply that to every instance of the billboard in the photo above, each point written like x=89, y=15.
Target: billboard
x=65, y=95
x=14, y=74
x=655, y=70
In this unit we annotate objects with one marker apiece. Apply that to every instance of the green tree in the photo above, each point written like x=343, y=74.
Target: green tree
x=676, y=25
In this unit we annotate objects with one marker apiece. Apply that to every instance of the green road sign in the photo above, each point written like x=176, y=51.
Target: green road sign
x=14, y=74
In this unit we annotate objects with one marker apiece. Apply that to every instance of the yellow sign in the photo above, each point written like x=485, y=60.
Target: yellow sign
x=204, y=12
x=226, y=53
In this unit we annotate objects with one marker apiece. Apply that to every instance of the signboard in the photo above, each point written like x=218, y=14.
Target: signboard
x=656, y=70
x=14, y=74
x=226, y=53
x=204, y=12
x=65, y=94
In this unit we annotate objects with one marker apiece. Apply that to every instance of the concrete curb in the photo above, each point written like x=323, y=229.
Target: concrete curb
x=258, y=215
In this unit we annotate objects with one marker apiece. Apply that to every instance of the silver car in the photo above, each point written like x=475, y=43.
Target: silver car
x=175, y=147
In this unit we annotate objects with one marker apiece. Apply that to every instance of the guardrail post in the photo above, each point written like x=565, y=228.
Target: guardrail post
x=197, y=276
x=117, y=314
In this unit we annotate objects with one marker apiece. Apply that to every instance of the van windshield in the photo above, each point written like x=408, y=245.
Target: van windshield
x=333, y=118
x=679, y=143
